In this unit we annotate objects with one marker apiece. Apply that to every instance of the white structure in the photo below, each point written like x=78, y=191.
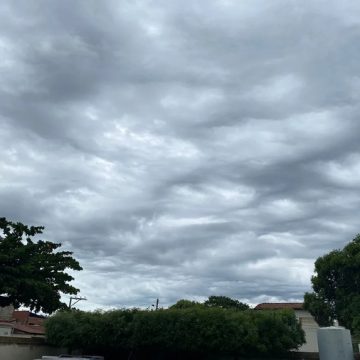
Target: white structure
x=335, y=343
x=310, y=327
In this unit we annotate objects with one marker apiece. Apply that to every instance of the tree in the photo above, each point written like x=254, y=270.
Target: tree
x=32, y=273
x=336, y=286
x=186, y=304
x=225, y=303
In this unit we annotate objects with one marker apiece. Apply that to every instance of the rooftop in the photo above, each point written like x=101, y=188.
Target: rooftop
x=279, y=306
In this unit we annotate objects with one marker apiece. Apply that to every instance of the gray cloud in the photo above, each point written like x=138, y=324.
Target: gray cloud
x=183, y=151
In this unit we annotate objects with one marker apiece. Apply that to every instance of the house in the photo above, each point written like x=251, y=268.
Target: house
x=12, y=328
x=18, y=322
x=308, y=323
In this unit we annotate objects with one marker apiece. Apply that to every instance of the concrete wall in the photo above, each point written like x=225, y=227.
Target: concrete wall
x=6, y=312
x=5, y=330
x=310, y=326
x=25, y=348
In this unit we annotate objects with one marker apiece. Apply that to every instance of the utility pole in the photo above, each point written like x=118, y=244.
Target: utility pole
x=77, y=298
x=156, y=305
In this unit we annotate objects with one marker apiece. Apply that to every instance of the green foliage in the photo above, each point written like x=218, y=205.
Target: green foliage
x=92, y=331
x=32, y=272
x=321, y=310
x=336, y=286
x=186, y=304
x=225, y=302
x=222, y=302
x=188, y=331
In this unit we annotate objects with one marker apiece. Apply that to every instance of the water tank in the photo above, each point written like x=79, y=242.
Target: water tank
x=335, y=343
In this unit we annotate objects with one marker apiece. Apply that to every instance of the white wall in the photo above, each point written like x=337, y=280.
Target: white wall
x=310, y=326
x=5, y=330
x=27, y=351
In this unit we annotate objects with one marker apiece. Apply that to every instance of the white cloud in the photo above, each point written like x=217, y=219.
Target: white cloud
x=345, y=172
x=279, y=89
x=182, y=151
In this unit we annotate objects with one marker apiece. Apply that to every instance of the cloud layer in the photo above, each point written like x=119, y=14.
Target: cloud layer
x=183, y=151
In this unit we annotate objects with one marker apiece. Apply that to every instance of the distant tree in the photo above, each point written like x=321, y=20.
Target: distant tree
x=186, y=304
x=32, y=273
x=225, y=303
x=336, y=286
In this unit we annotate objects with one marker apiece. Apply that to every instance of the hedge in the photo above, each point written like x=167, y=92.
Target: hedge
x=193, y=331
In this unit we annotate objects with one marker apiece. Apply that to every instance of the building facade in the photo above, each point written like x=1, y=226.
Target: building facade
x=308, y=323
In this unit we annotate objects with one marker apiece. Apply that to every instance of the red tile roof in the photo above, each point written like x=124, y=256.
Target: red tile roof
x=21, y=316
x=26, y=322
x=35, y=321
x=26, y=317
x=279, y=306
x=27, y=329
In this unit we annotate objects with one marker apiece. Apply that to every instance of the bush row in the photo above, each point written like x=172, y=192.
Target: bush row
x=188, y=331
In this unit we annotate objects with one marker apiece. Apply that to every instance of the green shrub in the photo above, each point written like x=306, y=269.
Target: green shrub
x=186, y=331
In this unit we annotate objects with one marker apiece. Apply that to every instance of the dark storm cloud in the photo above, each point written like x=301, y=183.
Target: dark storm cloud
x=183, y=151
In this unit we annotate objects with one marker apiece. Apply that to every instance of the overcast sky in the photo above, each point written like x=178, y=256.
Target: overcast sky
x=183, y=149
